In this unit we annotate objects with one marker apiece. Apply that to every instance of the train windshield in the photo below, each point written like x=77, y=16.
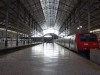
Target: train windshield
x=88, y=37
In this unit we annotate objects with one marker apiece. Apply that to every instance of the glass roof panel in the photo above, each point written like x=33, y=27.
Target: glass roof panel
x=50, y=11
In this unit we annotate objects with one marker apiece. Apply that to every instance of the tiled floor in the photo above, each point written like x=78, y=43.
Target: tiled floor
x=46, y=59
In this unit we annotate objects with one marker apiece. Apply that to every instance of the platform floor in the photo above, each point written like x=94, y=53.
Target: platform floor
x=46, y=59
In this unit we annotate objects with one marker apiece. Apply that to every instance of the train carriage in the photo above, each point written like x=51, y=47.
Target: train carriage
x=80, y=42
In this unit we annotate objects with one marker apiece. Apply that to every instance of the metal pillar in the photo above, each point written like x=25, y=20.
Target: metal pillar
x=28, y=40
x=79, y=18
x=31, y=40
x=25, y=24
x=89, y=16
x=65, y=28
x=70, y=24
x=32, y=23
x=30, y=28
x=36, y=28
x=24, y=39
x=6, y=24
x=21, y=39
x=74, y=15
x=17, y=39
x=53, y=37
x=34, y=32
x=18, y=11
x=43, y=39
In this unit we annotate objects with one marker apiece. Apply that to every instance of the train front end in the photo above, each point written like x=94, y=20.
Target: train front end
x=87, y=41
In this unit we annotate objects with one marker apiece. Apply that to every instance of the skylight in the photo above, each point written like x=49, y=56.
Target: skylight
x=50, y=11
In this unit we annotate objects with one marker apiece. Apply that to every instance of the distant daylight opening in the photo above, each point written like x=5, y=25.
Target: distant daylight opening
x=50, y=30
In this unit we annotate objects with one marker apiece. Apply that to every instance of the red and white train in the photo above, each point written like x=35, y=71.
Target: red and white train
x=80, y=42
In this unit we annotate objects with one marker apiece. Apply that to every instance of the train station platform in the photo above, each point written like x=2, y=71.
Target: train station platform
x=46, y=59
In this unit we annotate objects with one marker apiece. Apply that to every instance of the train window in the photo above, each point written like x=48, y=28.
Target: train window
x=88, y=37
